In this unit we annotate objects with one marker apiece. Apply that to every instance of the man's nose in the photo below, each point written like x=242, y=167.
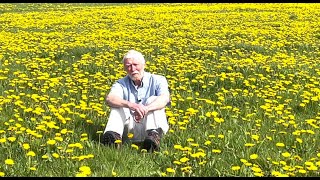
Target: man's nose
x=133, y=67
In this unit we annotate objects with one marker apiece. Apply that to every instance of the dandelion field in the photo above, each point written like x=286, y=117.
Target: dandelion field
x=244, y=82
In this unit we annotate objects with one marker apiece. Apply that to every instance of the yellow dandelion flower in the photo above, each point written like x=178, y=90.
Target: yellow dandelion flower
x=9, y=161
x=31, y=153
x=184, y=159
x=254, y=156
x=45, y=156
x=186, y=169
x=51, y=142
x=235, y=168
x=283, y=175
x=218, y=120
x=84, y=139
x=177, y=146
x=190, y=140
x=135, y=146
x=195, y=144
x=308, y=163
x=26, y=146
x=249, y=144
x=114, y=174
x=58, y=138
x=63, y=131
x=144, y=150
x=2, y=174
x=163, y=174
x=302, y=171
x=207, y=143
x=80, y=158
x=283, y=162
x=214, y=113
x=221, y=136
x=12, y=139
x=69, y=150
x=248, y=164
x=298, y=167
x=85, y=170
x=269, y=138
x=299, y=140
x=118, y=141
x=33, y=168
x=255, y=137
x=259, y=174
x=89, y=121
x=81, y=175
x=3, y=140
x=78, y=145
x=256, y=169
x=218, y=151
x=280, y=145
x=310, y=131
x=243, y=160
x=275, y=173
x=286, y=154
x=170, y=170
x=312, y=168
x=166, y=152
x=55, y=155
x=130, y=135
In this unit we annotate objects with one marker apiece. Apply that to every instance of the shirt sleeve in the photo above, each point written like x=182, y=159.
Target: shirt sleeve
x=163, y=87
x=116, y=89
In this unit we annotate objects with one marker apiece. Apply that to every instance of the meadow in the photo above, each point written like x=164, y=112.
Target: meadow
x=244, y=82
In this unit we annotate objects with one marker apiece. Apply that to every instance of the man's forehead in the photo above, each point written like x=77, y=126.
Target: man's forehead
x=131, y=60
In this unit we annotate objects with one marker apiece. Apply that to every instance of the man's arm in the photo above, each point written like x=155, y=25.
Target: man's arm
x=159, y=103
x=164, y=98
x=115, y=97
x=114, y=100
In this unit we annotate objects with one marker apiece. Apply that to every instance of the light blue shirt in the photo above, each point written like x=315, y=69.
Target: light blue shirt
x=152, y=85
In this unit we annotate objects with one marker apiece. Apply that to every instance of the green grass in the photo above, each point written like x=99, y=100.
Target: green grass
x=242, y=79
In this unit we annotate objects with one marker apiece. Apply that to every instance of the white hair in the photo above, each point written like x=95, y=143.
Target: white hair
x=133, y=54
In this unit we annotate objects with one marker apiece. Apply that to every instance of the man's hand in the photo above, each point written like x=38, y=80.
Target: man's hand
x=136, y=117
x=140, y=111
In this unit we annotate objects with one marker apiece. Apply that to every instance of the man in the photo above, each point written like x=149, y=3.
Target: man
x=137, y=103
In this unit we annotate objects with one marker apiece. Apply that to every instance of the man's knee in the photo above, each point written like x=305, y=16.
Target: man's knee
x=119, y=113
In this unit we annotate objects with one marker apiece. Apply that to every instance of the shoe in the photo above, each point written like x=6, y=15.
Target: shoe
x=152, y=141
x=110, y=137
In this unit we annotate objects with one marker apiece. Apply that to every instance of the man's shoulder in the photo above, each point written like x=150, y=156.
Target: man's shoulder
x=123, y=81
x=157, y=76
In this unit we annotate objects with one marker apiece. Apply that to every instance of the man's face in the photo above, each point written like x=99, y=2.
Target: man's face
x=134, y=69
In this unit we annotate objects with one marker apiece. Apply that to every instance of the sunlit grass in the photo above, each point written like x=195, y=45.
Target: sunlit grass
x=244, y=83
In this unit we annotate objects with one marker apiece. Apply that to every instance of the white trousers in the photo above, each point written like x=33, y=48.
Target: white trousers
x=121, y=121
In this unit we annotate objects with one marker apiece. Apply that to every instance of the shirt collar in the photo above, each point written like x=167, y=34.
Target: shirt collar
x=145, y=79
